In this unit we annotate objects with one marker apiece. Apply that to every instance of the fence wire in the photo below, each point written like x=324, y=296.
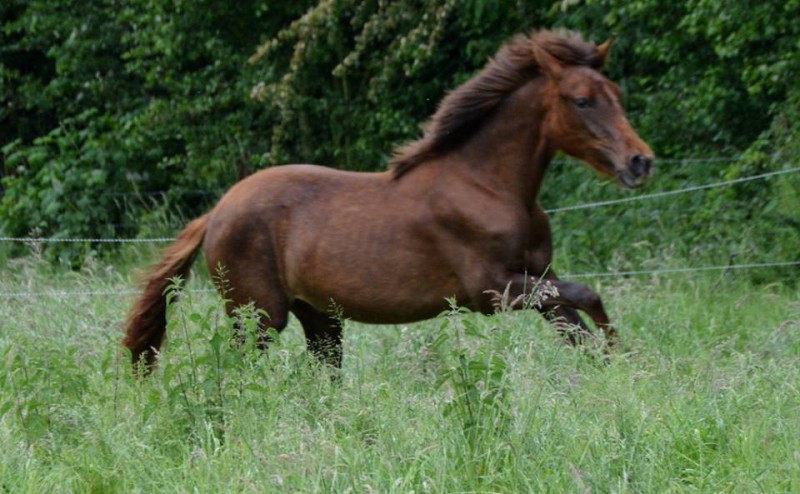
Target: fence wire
x=564, y=209
x=732, y=267
x=42, y=240
x=643, y=272
x=58, y=294
x=607, y=274
x=218, y=192
x=666, y=193
x=206, y=193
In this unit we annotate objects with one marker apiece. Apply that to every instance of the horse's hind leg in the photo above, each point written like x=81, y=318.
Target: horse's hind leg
x=323, y=333
x=241, y=287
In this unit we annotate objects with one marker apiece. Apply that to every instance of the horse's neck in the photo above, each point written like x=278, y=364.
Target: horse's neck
x=510, y=148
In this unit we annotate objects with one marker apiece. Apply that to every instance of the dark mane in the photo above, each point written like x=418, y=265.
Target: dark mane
x=464, y=109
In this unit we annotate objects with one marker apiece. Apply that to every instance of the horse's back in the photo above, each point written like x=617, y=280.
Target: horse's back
x=257, y=208
x=292, y=184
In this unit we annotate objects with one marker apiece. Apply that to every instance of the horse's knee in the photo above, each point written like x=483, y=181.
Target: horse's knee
x=583, y=297
x=266, y=326
x=266, y=323
x=593, y=305
x=507, y=292
x=593, y=300
x=323, y=333
x=324, y=341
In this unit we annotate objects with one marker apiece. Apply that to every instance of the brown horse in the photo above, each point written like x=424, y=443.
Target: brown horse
x=456, y=215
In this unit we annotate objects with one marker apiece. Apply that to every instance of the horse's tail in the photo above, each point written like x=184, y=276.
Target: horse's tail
x=147, y=322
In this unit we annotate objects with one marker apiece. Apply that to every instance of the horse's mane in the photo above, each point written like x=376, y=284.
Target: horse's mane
x=464, y=109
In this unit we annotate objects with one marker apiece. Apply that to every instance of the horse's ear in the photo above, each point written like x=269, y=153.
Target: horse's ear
x=604, y=49
x=550, y=65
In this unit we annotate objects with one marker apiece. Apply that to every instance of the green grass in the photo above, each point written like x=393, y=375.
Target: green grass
x=703, y=398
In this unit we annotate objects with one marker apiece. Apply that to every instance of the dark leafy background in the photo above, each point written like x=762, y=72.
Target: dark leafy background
x=123, y=118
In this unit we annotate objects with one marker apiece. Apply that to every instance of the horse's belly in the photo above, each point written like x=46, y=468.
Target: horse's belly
x=384, y=297
x=375, y=308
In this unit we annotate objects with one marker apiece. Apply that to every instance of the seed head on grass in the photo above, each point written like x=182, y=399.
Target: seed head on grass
x=540, y=291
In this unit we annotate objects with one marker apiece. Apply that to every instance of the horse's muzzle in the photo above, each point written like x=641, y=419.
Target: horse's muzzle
x=641, y=166
x=639, y=169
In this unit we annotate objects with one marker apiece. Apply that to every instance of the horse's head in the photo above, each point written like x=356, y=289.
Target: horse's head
x=584, y=115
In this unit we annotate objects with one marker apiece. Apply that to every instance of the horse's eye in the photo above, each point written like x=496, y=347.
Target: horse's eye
x=582, y=103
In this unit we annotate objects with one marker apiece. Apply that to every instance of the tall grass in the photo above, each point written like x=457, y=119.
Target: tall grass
x=702, y=397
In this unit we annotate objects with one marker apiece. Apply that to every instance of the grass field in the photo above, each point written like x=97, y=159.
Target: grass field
x=703, y=397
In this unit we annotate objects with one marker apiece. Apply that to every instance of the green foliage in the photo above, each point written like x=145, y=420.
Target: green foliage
x=344, y=96
x=103, y=104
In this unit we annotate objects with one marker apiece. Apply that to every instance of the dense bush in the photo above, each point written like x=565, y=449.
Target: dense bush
x=104, y=103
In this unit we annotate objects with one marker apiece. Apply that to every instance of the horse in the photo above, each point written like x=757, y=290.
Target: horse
x=454, y=216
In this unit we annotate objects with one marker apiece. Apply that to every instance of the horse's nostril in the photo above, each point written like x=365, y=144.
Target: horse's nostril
x=640, y=165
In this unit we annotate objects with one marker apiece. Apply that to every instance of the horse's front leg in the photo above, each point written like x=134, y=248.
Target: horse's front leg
x=572, y=296
x=568, y=322
x=557, y=300
x=562, y=311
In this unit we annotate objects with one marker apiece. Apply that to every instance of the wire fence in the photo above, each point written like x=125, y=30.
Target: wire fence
x=164, y=193
x=66, y=294
x=576, y=207
x=60, y=294
x=41, y=240
x=650, y=272
x=218, y=192
x=667, y=193
x=591, y=205
x=607, y=274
